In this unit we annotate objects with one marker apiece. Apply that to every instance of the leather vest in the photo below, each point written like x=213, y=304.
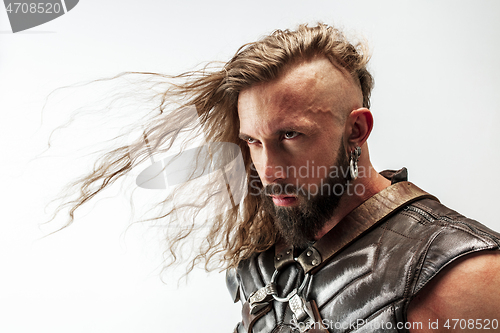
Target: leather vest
x=367, y=286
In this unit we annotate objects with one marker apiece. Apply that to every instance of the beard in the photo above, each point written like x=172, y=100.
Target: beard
x=299, y=225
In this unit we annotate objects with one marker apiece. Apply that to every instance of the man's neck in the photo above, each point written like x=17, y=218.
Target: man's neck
x=358, y=191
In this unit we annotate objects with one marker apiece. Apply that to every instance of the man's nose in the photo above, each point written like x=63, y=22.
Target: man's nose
x=274, y=166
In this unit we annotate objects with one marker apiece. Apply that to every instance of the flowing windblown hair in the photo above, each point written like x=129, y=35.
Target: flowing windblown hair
x=246, y=227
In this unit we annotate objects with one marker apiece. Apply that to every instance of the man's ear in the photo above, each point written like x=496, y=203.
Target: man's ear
x=359, y=125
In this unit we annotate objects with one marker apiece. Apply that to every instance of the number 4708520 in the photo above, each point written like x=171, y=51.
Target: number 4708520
x=481, y=324
x=25, y=8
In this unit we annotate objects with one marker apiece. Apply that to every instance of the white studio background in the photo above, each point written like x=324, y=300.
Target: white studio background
x=435, y=106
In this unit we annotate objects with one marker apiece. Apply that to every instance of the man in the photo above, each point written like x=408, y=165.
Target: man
x=420, y=270
x=322, y=242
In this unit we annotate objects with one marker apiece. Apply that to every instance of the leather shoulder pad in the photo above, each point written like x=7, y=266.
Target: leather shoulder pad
x=233, y=284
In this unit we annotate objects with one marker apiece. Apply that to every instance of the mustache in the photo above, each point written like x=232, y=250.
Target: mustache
x=281, y=189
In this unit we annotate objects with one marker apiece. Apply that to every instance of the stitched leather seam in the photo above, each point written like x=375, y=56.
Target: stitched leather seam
x=412, y=278
x=425, y=217
x=411, y=271
x=449, y=262
x=470, y=229
x=422, y=260
x=412, y=216
x=400, y=234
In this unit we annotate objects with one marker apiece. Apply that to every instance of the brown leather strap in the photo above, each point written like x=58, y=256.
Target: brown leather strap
x=318, y=326
x=371, y=212
x=249, y=319
x=284, y=256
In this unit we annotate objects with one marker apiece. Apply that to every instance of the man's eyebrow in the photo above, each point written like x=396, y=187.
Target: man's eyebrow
x=244, y=136
x=292, y=128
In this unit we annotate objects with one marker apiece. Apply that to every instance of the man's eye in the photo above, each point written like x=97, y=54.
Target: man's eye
x=290, y=135
x=251, y=141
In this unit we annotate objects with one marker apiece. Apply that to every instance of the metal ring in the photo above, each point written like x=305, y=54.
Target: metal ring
x=275, y=274
x=293, y=292
x=287, y=298
x=275, y=296
x=303, y=285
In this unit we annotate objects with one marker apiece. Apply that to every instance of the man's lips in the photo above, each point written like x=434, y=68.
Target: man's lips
x=282, y=200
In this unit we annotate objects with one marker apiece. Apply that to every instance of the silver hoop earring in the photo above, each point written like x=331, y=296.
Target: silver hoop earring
x=353, y=162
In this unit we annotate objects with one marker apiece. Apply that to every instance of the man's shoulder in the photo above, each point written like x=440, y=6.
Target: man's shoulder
x=466, y=291
x=464, y=286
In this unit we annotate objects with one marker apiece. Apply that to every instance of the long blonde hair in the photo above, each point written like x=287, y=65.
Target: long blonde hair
x=245, y=227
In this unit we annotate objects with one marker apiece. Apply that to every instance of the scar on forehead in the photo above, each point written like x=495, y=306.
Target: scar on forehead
x=318, y=89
